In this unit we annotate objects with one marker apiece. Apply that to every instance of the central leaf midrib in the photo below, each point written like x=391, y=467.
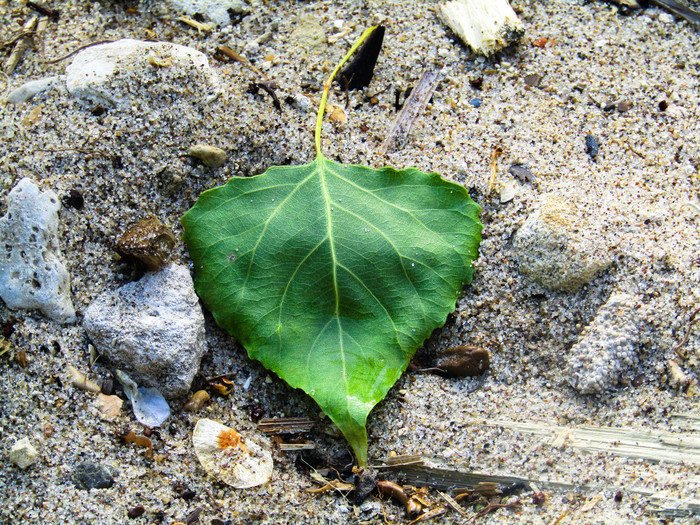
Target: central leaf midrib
x=331, y=241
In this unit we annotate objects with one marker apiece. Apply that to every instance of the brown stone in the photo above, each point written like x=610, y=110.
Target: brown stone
x=462, y=361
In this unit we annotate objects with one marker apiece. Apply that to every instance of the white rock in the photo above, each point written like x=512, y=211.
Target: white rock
x=485, y=25
x=559, y=247
x=152, y=329
x=23, y=454
x=607, y=347
x=32, y=274
x=216, y=11
x=112, y=74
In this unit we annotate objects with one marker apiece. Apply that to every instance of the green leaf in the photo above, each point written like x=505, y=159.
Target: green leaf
x=332, y=276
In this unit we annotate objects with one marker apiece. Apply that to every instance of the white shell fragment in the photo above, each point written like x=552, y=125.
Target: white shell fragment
x=225, y=455
x=487, y=26
x=31, y=88
x=149, y=405
x=23, y=454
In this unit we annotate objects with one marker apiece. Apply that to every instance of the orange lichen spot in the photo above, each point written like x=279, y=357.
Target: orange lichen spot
x=230, y=438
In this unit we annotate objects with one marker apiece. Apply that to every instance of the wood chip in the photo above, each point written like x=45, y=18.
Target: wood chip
x=413, y=106
x=286, y=425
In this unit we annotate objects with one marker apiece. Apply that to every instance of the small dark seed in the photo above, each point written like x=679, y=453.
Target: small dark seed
x=136, y=512
x=639, y=380
x=257, y=413
x=187, y=494
x=74, y=199
x=476, y=83
x=618, y=496
x=462, y=361
x=217, y=521
x=663, y=105
x=107, y=386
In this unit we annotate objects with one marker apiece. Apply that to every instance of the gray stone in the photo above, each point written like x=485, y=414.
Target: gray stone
x=558, y=248
x=112, y=74
x=32, y=273
x=152, y=329
x=89, y=475
x=216, y=11
x=607, y=347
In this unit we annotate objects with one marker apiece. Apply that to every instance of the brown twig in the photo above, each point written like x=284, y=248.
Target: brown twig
x=494, y=506
x=47, y=11
x=22, y=43
x=80, y=48
x=231, y=54
x=691, y=321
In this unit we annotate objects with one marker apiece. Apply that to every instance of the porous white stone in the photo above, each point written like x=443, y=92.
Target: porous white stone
x=117, y=73
x=23, y=454
x=216, y=11
x=607, y=346
x=153, y=329
x=559, y=247
x=32, y=273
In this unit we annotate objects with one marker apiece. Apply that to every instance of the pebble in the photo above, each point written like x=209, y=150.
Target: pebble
x=559, y=248
x=106, y=73
x=606, y=347
x=153, y=329
x=301, y=102
x=308, y=33
x=216, y=11
x=89, y=475
x=476, y=102
x=211, y=156
x=592, y=146
x=148, y=241
x=197, y=401
x=507, y=193
x=32, y=272
x=108, y=406
x=23, y=454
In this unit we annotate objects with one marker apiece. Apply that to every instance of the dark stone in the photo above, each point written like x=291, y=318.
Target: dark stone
x=74, y=199
x=592, y=146
x=89, y=475
x=137, y=511
x=365, y=482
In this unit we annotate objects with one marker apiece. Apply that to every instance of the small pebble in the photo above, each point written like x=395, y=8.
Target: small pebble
x=197, y=401
x=148, y=241
x=135, y=512
x=592, y=146
x=476, y=102
x=89, y=475
x=522, y=173
x=533, y=80
x=211, y=156
x=507, y=193
x=624, y=106
x=23, y=454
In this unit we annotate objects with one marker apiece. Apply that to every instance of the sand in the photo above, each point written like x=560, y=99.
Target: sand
x=132, y=163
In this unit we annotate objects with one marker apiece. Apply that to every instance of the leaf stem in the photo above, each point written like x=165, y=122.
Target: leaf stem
x=329, y=83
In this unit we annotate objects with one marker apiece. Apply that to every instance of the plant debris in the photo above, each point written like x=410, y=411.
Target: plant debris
x=359, y=71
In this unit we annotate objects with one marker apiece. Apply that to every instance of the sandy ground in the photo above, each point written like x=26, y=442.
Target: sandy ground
x=129, y=164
